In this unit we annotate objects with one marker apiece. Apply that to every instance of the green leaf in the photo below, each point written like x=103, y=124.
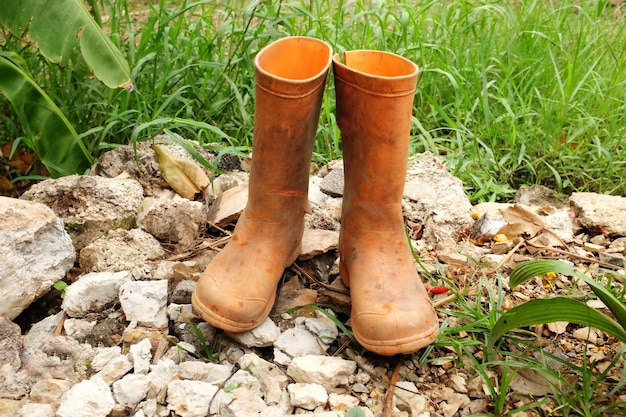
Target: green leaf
x=58, y=26
x=534, y=268
x=50, y=134
x=550, y=310
x=355, y=412
x=232, y=386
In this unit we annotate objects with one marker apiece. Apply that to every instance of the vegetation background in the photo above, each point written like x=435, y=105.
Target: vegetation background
x=510, y=93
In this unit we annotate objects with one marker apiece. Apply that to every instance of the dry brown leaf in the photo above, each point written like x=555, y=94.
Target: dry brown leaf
x=184, y=176
x=520, y=220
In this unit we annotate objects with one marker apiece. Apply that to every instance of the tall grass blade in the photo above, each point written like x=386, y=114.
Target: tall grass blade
x=550, y=310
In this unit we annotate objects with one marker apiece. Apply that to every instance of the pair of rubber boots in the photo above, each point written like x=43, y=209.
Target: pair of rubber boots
x=391, y=310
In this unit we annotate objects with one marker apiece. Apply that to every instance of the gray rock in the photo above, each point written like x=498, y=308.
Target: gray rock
x=437, y=199
x=90, y=206
x=333, y=183
x=93, y=292
x=145, y=302
x=174, y=221
x=122, y=250
x=538, y=195
x=35, y=252
x=89, y=398
x=10, y=344
x=320, y=325
x=599, y=211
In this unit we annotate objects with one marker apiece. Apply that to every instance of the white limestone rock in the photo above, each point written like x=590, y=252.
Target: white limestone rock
x=407, y=395
x=89, y=398
x=145, y=302
x=213, y=373
x=307, y=395
x=104, y=355
x=35, y=252
x=328, y=371
x=93, y=292
x=190, y=398
x=160, y=376
x=273, y=380
x=77, y=328
x=296, y=342
x=264, y=334
x=115, y=369
x=141, y=354
x=36, y=410
x=131, y=389
x=342, y=402
x=90, y=206
x=241, y=396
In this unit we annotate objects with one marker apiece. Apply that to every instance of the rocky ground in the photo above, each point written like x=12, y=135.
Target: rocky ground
x=121, y=339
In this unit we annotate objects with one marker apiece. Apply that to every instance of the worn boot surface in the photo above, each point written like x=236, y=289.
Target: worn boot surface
x=237, y=290
x=391, y=311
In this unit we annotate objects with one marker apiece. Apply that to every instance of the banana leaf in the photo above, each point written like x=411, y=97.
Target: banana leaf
x=48, y=132
x=56, y=26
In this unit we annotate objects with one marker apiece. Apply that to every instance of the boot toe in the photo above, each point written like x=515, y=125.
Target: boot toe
x=228, y=310
x=392, y=332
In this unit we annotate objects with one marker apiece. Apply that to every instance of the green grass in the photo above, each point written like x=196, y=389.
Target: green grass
x=510, y=93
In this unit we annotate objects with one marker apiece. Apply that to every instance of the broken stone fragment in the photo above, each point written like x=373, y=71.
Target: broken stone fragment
x=606, y=213
x=145, y=302
x=90, y=206
x=316, y=242
x=328, y=371
x=122, y=250
x=172, y=220
x=35, y=252
x=93, y=292
x=91, y=397
x=228, y=206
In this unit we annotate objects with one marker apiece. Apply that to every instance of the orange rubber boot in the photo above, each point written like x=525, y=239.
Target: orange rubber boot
x=237, y=290
x=391, y=311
